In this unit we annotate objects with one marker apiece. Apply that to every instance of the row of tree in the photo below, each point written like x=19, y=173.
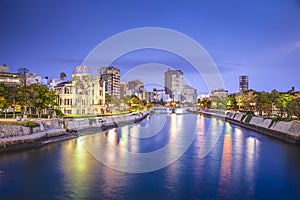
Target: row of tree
x=264, y=103
x=32, y=98
x=131, y=103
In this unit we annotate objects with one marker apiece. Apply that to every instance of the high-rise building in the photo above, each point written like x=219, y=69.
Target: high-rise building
x=111, y=76
x=244, y=83
x=174, y=84
x=123, y=89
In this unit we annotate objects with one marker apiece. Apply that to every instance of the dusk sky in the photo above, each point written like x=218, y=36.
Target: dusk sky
x=258, y=38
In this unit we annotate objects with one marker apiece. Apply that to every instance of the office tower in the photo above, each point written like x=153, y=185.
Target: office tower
x=174, y=84
x=244, y=83
x=111, y=76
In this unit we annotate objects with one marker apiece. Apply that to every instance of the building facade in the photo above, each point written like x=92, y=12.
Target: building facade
x=111, y=76
x=189, y=94
x=123, y=89
x=83, y=95
x=9, y=79
x=243, y=83
x=221, y=93
x=135, y=87
x=173, y=80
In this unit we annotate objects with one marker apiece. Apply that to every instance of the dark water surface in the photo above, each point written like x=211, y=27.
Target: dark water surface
x=243, y=164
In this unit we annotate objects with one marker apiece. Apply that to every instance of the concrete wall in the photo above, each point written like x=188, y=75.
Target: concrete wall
x=289, y=131
x=13, y=131
x=291, y=128
x=260, y=121
x=101, y=122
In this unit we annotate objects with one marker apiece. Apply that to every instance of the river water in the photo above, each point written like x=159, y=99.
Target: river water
x=169, y=156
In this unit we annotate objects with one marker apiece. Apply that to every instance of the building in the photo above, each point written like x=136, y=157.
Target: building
x=64, y=97
x=4, y=69
x=174, y=84
x=111, y=76
x=83, y=95
x=32, y=78
x=160, y=95
x=9, y=79
x=135, y=87
x=123, y=89
x=243, y=83
x=221, y=93
x=189, y=94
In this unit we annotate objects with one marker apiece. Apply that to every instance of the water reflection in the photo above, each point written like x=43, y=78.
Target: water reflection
x=225, y=177
x=75, y=165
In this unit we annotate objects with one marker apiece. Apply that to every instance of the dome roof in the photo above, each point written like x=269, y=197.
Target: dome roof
x=82, y=70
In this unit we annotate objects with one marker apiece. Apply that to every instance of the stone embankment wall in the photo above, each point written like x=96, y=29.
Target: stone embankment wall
x=52, y=130
x=13, y=131
x=288, y=131
x=102, y=123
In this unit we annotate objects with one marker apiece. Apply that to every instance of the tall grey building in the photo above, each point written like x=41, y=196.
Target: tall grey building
x=174, y=84
x=111, y=76
x=244, y=83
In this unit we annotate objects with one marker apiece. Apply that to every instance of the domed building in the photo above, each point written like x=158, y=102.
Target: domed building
x=89, y=94
x=83, y=95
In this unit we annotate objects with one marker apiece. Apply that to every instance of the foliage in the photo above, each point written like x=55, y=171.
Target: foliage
x=282, y=102
x=248, y=118
x=231, y=102
x=7, y=98
x=23, y=123
x=293, y=107
x=218, y=103
x=205, y=103
x=59, y=113
x=135, y=104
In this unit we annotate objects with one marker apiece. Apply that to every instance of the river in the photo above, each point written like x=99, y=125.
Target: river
x=168, y=156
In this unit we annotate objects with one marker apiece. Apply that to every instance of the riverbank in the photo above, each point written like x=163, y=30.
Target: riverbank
x=285, y=131
x=55, y=130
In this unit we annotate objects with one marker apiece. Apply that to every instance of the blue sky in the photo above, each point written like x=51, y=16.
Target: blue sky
x=257, y=38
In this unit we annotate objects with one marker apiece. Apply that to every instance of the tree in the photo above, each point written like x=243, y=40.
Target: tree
x=282, y=102
x=205, y=103
x=247, y=99
x=40, y=97
x=293, y=108
x=22, y=93
x=231, y=102
x=7, y=98
x=3, y=98
x=218, y=103
x=135, y=103
x=263, y=102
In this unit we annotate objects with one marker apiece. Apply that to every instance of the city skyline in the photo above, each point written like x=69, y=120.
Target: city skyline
x=260, y=40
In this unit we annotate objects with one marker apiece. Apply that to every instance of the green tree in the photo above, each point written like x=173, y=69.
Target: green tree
x=263, y=102
x=231, y=102
x=218, y=103
x=40, y=97
x=7, y=98
x=135, y=103
x=293, y=108
x=282, y=103
x=22, y=93
x=205, y=103
x=4, y=105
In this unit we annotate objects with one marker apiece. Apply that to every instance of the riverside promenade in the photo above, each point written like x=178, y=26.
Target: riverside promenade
x=54, y=130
